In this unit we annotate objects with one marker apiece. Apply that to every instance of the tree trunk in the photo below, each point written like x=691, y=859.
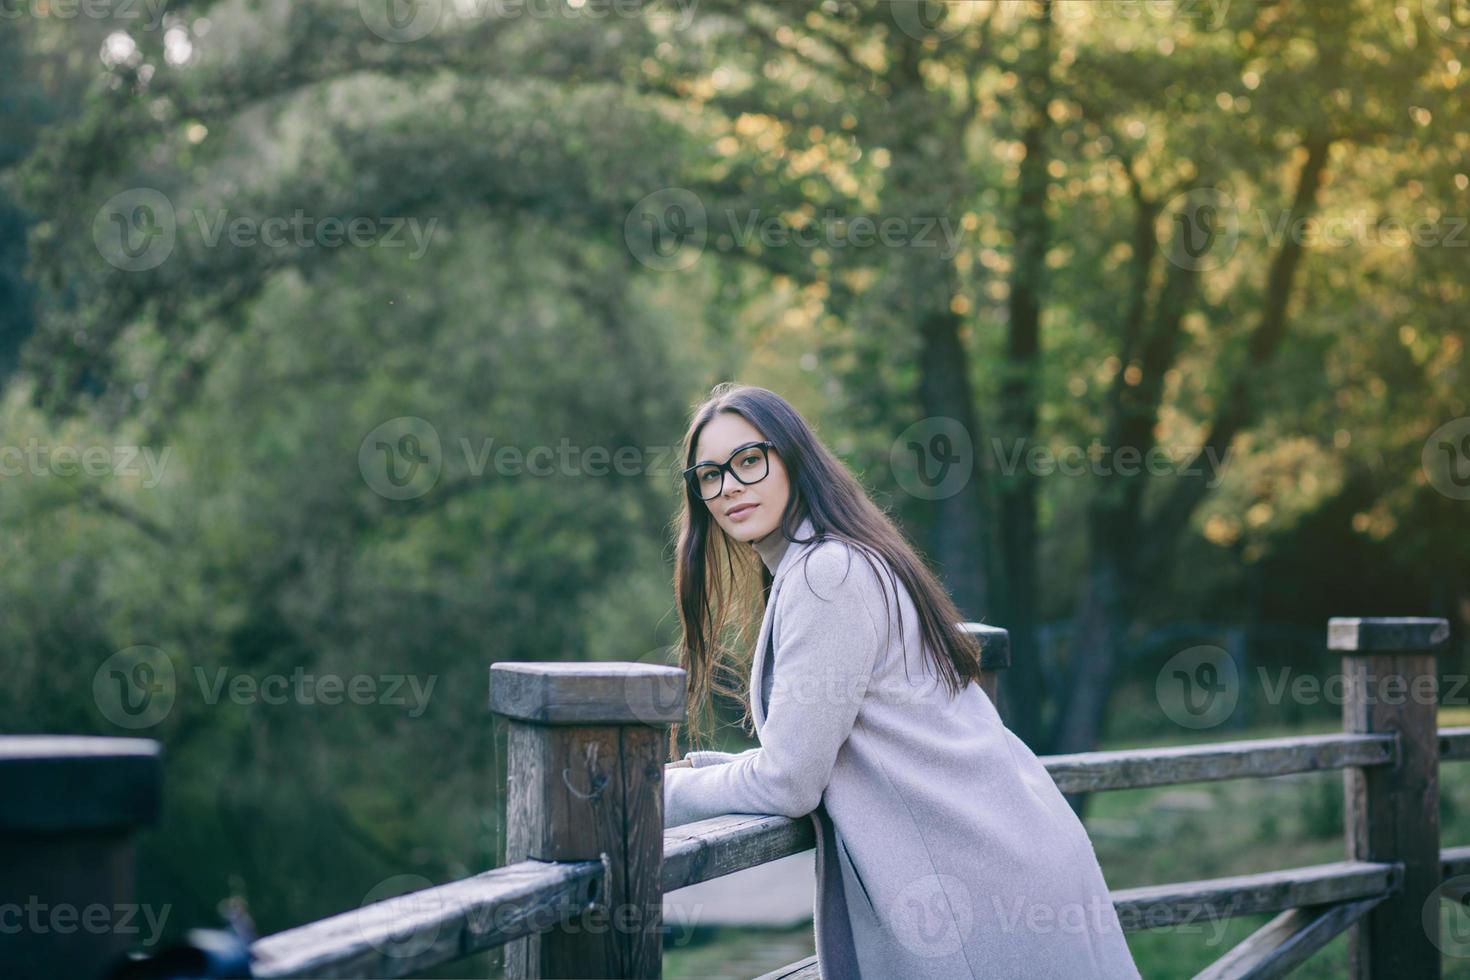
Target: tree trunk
x=1016, y=589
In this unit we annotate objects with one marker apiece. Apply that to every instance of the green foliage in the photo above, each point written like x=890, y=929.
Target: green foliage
x=520, y=147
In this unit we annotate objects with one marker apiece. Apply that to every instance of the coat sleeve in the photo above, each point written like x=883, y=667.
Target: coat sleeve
x=712, y=757
x=826, y=650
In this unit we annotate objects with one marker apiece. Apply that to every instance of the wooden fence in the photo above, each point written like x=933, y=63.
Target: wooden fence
x=588, y=859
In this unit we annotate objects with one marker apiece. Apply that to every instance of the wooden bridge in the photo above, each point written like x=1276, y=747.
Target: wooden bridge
x=588, y=859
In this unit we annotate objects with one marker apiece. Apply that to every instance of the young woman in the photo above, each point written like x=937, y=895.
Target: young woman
x=944, y=849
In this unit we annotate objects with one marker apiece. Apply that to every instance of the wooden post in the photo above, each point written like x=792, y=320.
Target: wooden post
x=1392, y=812
x=995, y=655
x=69, y=808
x=585, y=765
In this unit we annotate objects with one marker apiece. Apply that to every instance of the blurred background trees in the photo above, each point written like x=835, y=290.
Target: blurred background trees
x=1234, y=233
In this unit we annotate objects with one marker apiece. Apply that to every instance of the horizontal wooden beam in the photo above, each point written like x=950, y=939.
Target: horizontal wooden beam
x=1287, y=941
x=705, y=849
x=587, y=692
x=411, y=933
x=1352, y=887
x=800, y=970
x=1388, y=634
x=1454, y=744
x=1153, y=906
x=1249, y=758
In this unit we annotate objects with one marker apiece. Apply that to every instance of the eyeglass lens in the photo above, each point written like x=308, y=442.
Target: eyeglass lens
x=749, y=465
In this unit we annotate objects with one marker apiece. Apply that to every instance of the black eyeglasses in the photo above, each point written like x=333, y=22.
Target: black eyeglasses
x=748, y=464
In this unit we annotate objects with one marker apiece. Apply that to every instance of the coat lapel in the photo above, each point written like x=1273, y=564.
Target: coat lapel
x=763, y=643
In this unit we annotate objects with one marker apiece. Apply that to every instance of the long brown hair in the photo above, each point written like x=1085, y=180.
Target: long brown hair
x=715, y=575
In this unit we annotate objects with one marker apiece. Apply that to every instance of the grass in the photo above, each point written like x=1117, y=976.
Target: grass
x=1178, y=833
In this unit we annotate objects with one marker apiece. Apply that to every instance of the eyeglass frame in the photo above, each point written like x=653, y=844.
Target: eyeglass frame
x=725, y=467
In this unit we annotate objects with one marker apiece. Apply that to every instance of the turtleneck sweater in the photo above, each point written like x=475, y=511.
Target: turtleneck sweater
x=772, y=547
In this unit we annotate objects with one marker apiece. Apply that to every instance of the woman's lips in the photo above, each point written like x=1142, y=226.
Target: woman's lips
x=742, y=512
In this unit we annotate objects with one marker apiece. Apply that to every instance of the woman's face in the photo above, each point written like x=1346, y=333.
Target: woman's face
x=762, y=502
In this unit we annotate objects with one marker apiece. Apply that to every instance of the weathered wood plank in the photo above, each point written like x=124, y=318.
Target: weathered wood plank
x=1454, y=861
x=1247, y=758
x=800, y=970
x=1286, y=942
x=995, y=645
x=705, y=849
x=55, y=783
x=411, y=933
x=1152, y=906
x=1454, y=744
x=587, y=692
x=69, y=810
x=1348, y=883
x=1391, y=813
x=1388, y=634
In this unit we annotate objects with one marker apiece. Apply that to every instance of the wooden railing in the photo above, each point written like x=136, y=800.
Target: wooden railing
x=588, y=861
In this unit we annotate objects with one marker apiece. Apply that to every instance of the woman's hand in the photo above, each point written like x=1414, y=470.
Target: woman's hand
x=681, y=762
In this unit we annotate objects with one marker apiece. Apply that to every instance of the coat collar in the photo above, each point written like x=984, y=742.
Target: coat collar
x=776, y=546
x=780, y=554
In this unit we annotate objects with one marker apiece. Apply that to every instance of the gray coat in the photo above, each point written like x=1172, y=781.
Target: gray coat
x=944, y=848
